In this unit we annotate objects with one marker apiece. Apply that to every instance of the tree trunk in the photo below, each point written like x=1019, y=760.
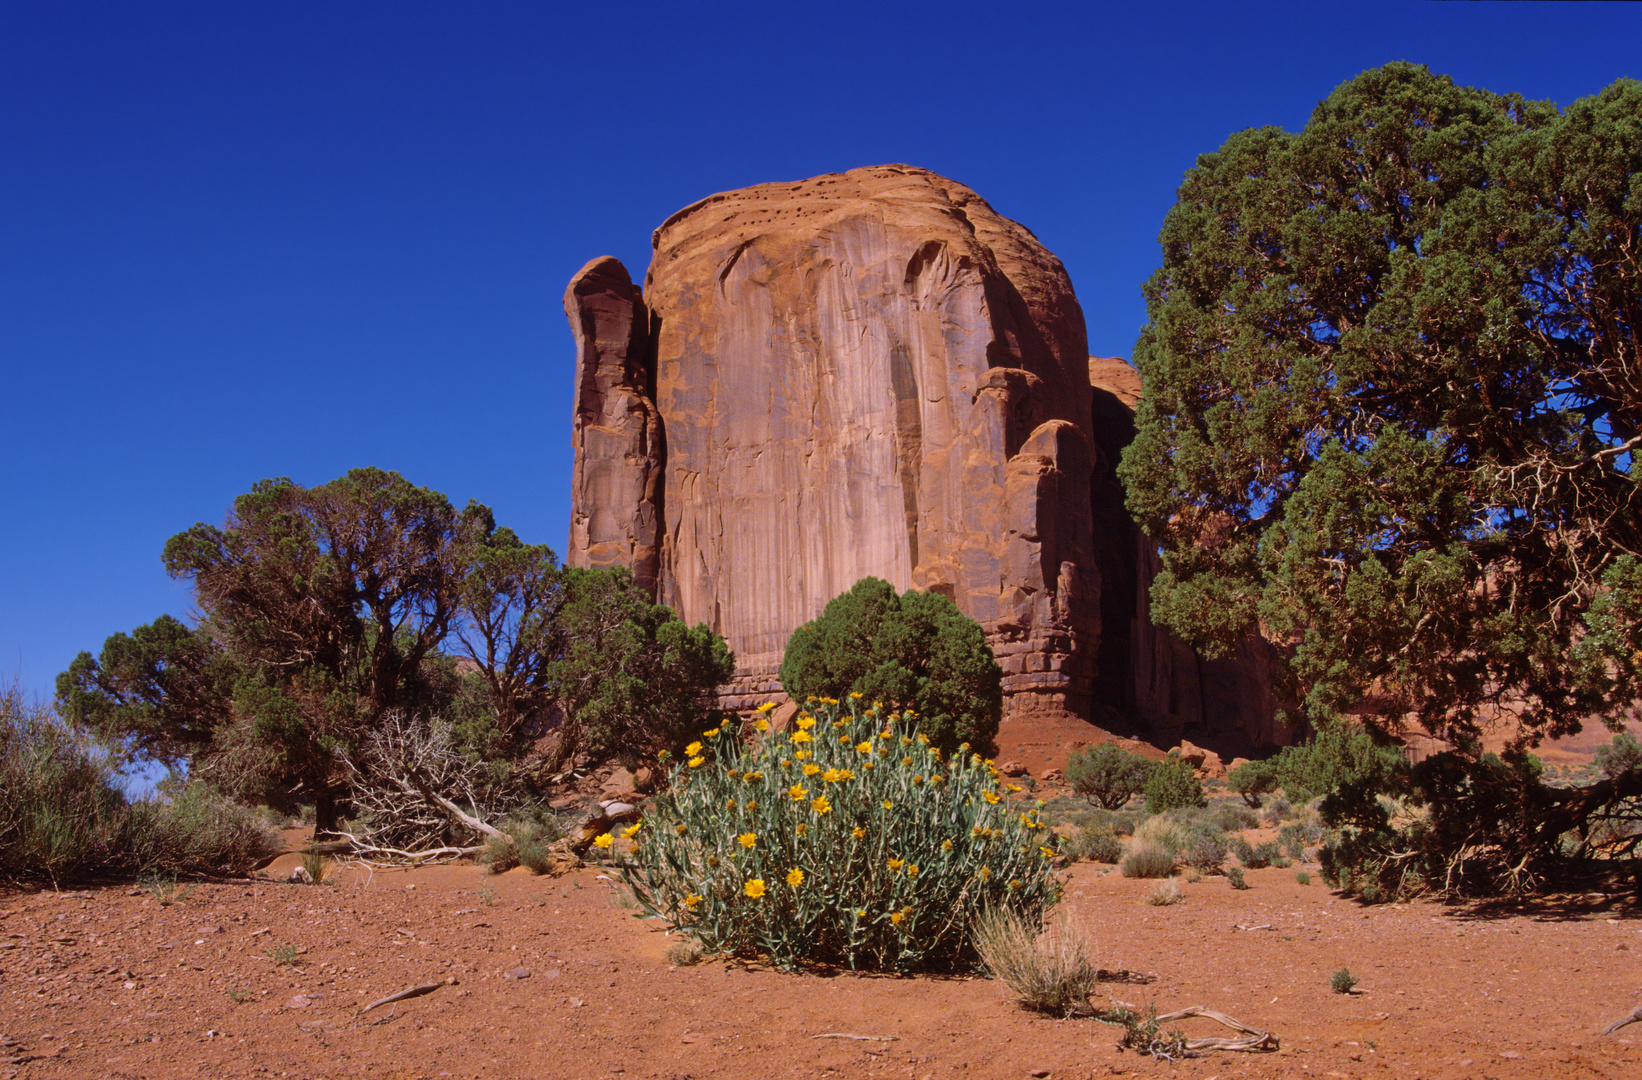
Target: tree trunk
x=325, y=820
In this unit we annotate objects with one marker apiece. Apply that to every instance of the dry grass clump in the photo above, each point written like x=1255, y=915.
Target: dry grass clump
x=1051, y=973
x=1165, y=893
x=1147, y=860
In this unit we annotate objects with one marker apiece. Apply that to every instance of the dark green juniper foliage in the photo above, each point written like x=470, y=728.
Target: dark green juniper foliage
x=1107, y=775
x=1393, y=387
x=914, y=649
x=1393, y=406
x=330, y=608
x=631, y=675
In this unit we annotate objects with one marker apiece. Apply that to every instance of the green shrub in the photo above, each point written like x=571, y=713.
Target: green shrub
x=1342, y=981
x=1096, y=844
x=1145, y=860
x=1107, y=775
x=195, y=828
x=913, y=650
x=1232, y=817
x=849, y=840
x=1234, y=874
x=1253, y=779
x=1173, y=785
x=1302, y=878
x=1297, y=835
x=1279, y=811
x=1255, y=858
x=501, y=854
x=1204, y=850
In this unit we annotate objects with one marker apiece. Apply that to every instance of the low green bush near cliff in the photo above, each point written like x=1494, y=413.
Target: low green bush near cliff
x=849, y=839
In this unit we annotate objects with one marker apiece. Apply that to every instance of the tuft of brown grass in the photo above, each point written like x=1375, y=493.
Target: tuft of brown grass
x=1050, y=973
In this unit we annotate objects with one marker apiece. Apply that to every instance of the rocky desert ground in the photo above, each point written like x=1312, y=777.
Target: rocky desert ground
x=556, y=977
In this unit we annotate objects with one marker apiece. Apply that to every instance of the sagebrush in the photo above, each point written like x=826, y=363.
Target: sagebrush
x=849, y=839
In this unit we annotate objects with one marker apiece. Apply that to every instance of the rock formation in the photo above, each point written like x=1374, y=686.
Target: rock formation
x=868, y=372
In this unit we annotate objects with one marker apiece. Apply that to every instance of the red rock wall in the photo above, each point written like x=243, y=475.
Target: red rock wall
x=865, y=373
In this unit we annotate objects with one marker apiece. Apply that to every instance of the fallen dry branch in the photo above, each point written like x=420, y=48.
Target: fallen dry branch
x=403, y=995
x=1634, y=1018
x=1252, y=1039
x=859, y=1038
x=379, y=855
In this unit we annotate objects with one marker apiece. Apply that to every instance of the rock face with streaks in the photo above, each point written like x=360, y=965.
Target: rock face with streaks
x=864, y=373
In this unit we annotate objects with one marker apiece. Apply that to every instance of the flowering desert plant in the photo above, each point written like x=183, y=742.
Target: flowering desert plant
x=848, y=839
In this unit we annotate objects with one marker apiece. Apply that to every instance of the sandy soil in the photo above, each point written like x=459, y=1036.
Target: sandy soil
x=553, y=977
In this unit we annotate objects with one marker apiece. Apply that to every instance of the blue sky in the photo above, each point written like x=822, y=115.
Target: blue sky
x=253, y=239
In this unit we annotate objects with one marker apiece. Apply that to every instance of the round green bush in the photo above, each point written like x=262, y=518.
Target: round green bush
x=850, y=839
x=1107, y=775
x=1173, y=786
x=913, y=650
x=1096, y=844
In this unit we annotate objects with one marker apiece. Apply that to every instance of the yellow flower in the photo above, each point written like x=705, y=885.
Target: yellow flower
x=766, y=707
x=883, y=750
x=1047, y=853
x=747, y=840
x=795, y=877
x=754, y=888
x=888, y=805
x=946, y=845
x=785, y=763
x=896, y=918
x=803, y=829
x=849, y=774
x=800, y=737
x=798, y=793
x=918, y=780
x=1015, y=884
x=986, y=873
x=923, y=738
x=858, y=832
x=829, y=700
x=752, y=804
x=693, y=749
x=870, y=765
x=906, y=740
x=692, y=901
x=906, y=761
x=820, y=804
x=1014, y=787
x=896, y=864
x=978, y=831
x=865, y=747
x=912, y=870
x=632, y=830
x=877, y=704
x=832, y=776
x=761, y=724
x=681, y=828
x=990, y=796
x=811, y=768
x=729, y=804
x=733, y=774
x=801, y=754
x=604, y=841
x=937, y=779
x=806, y=722
x=696, y=762
x=886, y=734
x=860, y=913
x=845, y=739
x=752, y=777
x=855, y=695
x=713, y=734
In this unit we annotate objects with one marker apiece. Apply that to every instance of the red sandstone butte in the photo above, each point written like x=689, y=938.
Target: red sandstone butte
x=870, y=373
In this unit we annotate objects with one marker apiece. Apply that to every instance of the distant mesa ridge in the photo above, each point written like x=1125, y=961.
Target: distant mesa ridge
x=874, y=373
